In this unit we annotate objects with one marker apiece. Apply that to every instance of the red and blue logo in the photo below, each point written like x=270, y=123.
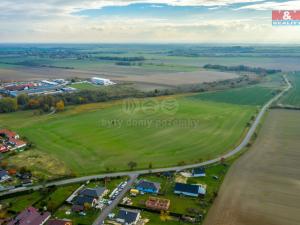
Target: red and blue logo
x=286, y=17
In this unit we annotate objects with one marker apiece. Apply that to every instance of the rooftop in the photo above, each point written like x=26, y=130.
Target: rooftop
x=30, y=216
x=189, y=188
x=128, y=215
x=59, y=222
x=144, y=184
x=93, y=192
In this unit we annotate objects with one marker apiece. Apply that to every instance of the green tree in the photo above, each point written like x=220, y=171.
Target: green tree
x=23, y=99
x=132, y=165
x=46, y=102
x=8, y=105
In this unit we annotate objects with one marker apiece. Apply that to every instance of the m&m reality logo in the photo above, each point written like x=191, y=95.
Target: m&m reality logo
x=286, y=17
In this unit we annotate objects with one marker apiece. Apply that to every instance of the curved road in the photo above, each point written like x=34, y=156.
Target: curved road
x=176, y=168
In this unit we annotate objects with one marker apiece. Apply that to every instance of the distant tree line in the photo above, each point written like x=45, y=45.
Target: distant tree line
x=35, y=64
x=128, y=64
x=242, y=68
x=48, y=103
x=125, y=59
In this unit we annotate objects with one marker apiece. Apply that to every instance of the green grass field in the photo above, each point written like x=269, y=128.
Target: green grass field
x=85, y=86
x=254, y=95
x=97, y=137
x=293, y=96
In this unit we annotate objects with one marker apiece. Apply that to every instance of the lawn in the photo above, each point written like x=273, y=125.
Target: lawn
x=53, y=199
x=293, y=96
x=56, y=198
x=254, y=95
x=85, y=86
x=19, y=203
x=77, y=219
x=100, y=137
x=154, y=219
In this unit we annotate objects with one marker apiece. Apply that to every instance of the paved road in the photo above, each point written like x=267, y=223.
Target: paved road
x=176, y=168
x=115, y=202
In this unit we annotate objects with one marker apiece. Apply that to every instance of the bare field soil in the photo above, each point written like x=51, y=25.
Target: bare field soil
x=127, y=75
x=263, y=186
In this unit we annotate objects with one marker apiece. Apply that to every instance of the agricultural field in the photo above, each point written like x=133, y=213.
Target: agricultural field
x=148, y=67
x=252, y=95
x=292, y=98
x=265, y=179
x=119, y=74
x=99, y=137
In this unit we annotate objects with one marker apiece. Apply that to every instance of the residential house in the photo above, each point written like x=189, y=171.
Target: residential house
x=82, y=200
x=158, y=204
x=24, y=175
x=17, y=144
x=192, y=190
x=90, y=196
x=59, y=222
x=198, y=172
x=9, y=134
x=30, y=216
x=13, y=139
x=148, y=186
x=4, y=176
x=3, y=148
x=128, y=216
x=94, y=192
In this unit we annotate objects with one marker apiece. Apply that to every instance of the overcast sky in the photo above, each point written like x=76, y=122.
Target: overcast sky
x=145, y=21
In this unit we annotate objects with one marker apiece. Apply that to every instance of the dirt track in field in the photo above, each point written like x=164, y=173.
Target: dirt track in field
x=263, y=186
x=155, y=78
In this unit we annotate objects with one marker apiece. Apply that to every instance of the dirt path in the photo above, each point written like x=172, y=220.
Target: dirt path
x=263, y=186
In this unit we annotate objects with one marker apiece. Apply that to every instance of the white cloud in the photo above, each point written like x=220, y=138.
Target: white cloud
x=57, y=6
x=53, y=21
x=288, y=5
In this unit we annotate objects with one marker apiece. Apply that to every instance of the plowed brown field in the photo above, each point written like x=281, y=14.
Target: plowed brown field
x=263, y=186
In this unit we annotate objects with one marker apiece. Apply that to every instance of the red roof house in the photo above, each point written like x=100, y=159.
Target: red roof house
x=30, y=216
x=3, y=148
x=59, y=222
x=13, y=138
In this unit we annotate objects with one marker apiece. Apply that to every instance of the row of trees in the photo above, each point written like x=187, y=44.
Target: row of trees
x=44, y=103
x=8, y=105
x=242, y=68
x=47, y=103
